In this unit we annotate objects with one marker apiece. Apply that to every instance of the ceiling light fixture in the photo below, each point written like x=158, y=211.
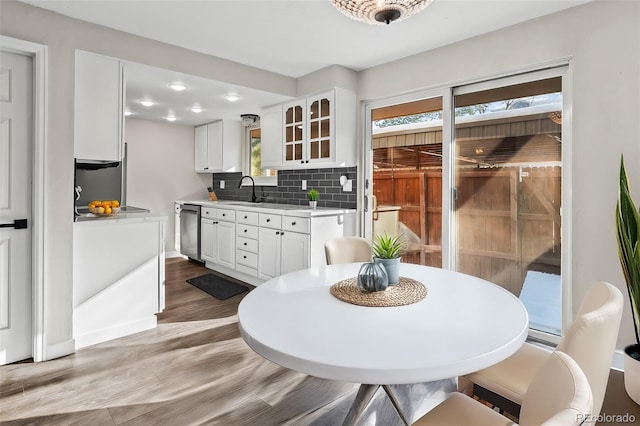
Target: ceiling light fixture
x=196, y=109
x=249, y=119
x=178, y=87
x=556, y=117
x=146, y=102
x=232, y=97
x=380, y=12
x=170, y=118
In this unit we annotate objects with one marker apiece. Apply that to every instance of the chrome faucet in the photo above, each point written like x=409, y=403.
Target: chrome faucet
x=254, y=199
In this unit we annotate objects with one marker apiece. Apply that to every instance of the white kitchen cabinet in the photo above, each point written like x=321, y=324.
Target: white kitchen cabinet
x=269, y=243
x=218, y=147
x=271, y=142
x=283, y=244
x=319, y=130
x=98, y=107
x=218, y=237
x=294, y=251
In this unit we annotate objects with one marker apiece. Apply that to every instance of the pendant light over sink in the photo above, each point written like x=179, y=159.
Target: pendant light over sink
x=380, y=12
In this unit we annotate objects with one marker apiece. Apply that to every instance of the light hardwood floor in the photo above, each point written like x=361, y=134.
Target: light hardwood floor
x=194, y=369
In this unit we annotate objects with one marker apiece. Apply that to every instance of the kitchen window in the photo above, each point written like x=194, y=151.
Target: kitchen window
x=262, y=177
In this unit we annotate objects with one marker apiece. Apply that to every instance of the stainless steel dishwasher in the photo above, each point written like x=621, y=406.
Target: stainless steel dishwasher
x=190, y=231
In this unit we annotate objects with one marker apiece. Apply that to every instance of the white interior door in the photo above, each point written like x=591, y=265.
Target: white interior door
x=16, y=136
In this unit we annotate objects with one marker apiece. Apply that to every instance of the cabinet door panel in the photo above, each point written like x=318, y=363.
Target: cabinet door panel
x=226, y=242
x=201, y=151
x=269, y=242
x=271, y=138
x=208, y=240
x=214, y=144
x=294, y=252
x=98, y=107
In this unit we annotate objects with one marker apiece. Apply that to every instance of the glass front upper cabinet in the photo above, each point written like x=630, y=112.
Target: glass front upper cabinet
x=294, y=125
x=319, y=140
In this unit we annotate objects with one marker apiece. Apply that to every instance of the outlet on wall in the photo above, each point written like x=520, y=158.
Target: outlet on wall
x=221, y=184
x=304, y=184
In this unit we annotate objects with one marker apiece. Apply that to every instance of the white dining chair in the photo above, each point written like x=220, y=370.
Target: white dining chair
x=590, y=341
x=347, y=250
x=559, y=395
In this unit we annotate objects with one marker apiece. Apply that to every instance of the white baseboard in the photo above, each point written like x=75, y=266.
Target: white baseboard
x=173, y=253
x=58, y=350
x=119, y=330
x=618, y=360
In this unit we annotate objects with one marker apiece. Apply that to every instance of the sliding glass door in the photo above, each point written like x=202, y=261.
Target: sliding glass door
x=473, y=177
x=508, y=189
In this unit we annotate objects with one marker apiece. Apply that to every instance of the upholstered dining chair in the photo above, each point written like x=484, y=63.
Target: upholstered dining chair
x=347, y=250
x=590, y=341
x=558, y=395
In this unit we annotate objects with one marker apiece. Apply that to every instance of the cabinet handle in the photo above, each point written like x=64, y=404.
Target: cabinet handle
x=245, y=244
x=293, y=224
x=282, y=233
x=224, y=214
x=277, y=232
x=268, y=220
x=245, y=230
x=245, y=217
x=307, y=161
x=244, y=257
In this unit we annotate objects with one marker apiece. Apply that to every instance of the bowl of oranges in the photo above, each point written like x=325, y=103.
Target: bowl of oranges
x=104, y=208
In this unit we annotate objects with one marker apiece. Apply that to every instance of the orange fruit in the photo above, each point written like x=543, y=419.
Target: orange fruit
x=115, y=203
x=107, y=210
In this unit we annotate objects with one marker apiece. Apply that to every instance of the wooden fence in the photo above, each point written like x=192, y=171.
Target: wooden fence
x=508, y=219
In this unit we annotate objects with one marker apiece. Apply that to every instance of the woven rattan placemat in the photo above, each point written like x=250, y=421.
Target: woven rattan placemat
x=406, y=292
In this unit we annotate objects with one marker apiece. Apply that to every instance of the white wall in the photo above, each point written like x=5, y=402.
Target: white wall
x=160, y=169
x=63, y=35
x=603, y=41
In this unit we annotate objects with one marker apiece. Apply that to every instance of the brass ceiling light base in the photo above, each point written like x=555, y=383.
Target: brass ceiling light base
x=380, y=12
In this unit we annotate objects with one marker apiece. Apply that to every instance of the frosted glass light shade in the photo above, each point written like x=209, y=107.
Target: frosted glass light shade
x=380, y=12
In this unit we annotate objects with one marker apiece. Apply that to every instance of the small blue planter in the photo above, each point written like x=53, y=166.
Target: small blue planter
x=392, y=266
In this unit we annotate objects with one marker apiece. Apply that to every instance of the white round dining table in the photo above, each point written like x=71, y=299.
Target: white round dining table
x=464, y=324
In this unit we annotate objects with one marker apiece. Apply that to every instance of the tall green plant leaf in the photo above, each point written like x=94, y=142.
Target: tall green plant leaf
x=628, y=230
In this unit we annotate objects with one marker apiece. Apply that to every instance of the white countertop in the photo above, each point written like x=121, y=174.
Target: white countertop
x=463, y=325
x=286, y=209
x=90, y=219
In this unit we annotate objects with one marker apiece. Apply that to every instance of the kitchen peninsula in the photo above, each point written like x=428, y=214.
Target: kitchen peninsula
x=255, y=242
x=118, y=275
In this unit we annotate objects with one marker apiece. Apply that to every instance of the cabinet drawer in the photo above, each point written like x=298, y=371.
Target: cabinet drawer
x=247, y=259
x=226, y=215
x=268, y=220
x=296, y=224
x=246, y=270
x=247, y=231
x=247, y=218
x=247, y=244
x=208, y=212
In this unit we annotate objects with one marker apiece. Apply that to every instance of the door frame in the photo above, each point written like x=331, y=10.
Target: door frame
x=365, y=199
x=39, y=54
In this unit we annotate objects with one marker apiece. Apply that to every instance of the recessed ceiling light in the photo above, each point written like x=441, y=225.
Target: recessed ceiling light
x=127, y=112
x=232, y=97
x=170, y=118
x=178, y=87
x=196, y=109
x=146, y=102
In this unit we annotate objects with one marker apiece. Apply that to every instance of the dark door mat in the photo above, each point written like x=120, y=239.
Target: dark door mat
x=216, y=286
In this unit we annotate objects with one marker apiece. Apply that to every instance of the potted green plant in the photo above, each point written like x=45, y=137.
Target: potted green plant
x=628, y=234
x=313, y=195
x=387, y=251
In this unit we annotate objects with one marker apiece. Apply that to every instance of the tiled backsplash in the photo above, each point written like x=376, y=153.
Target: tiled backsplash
x=289, y=189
